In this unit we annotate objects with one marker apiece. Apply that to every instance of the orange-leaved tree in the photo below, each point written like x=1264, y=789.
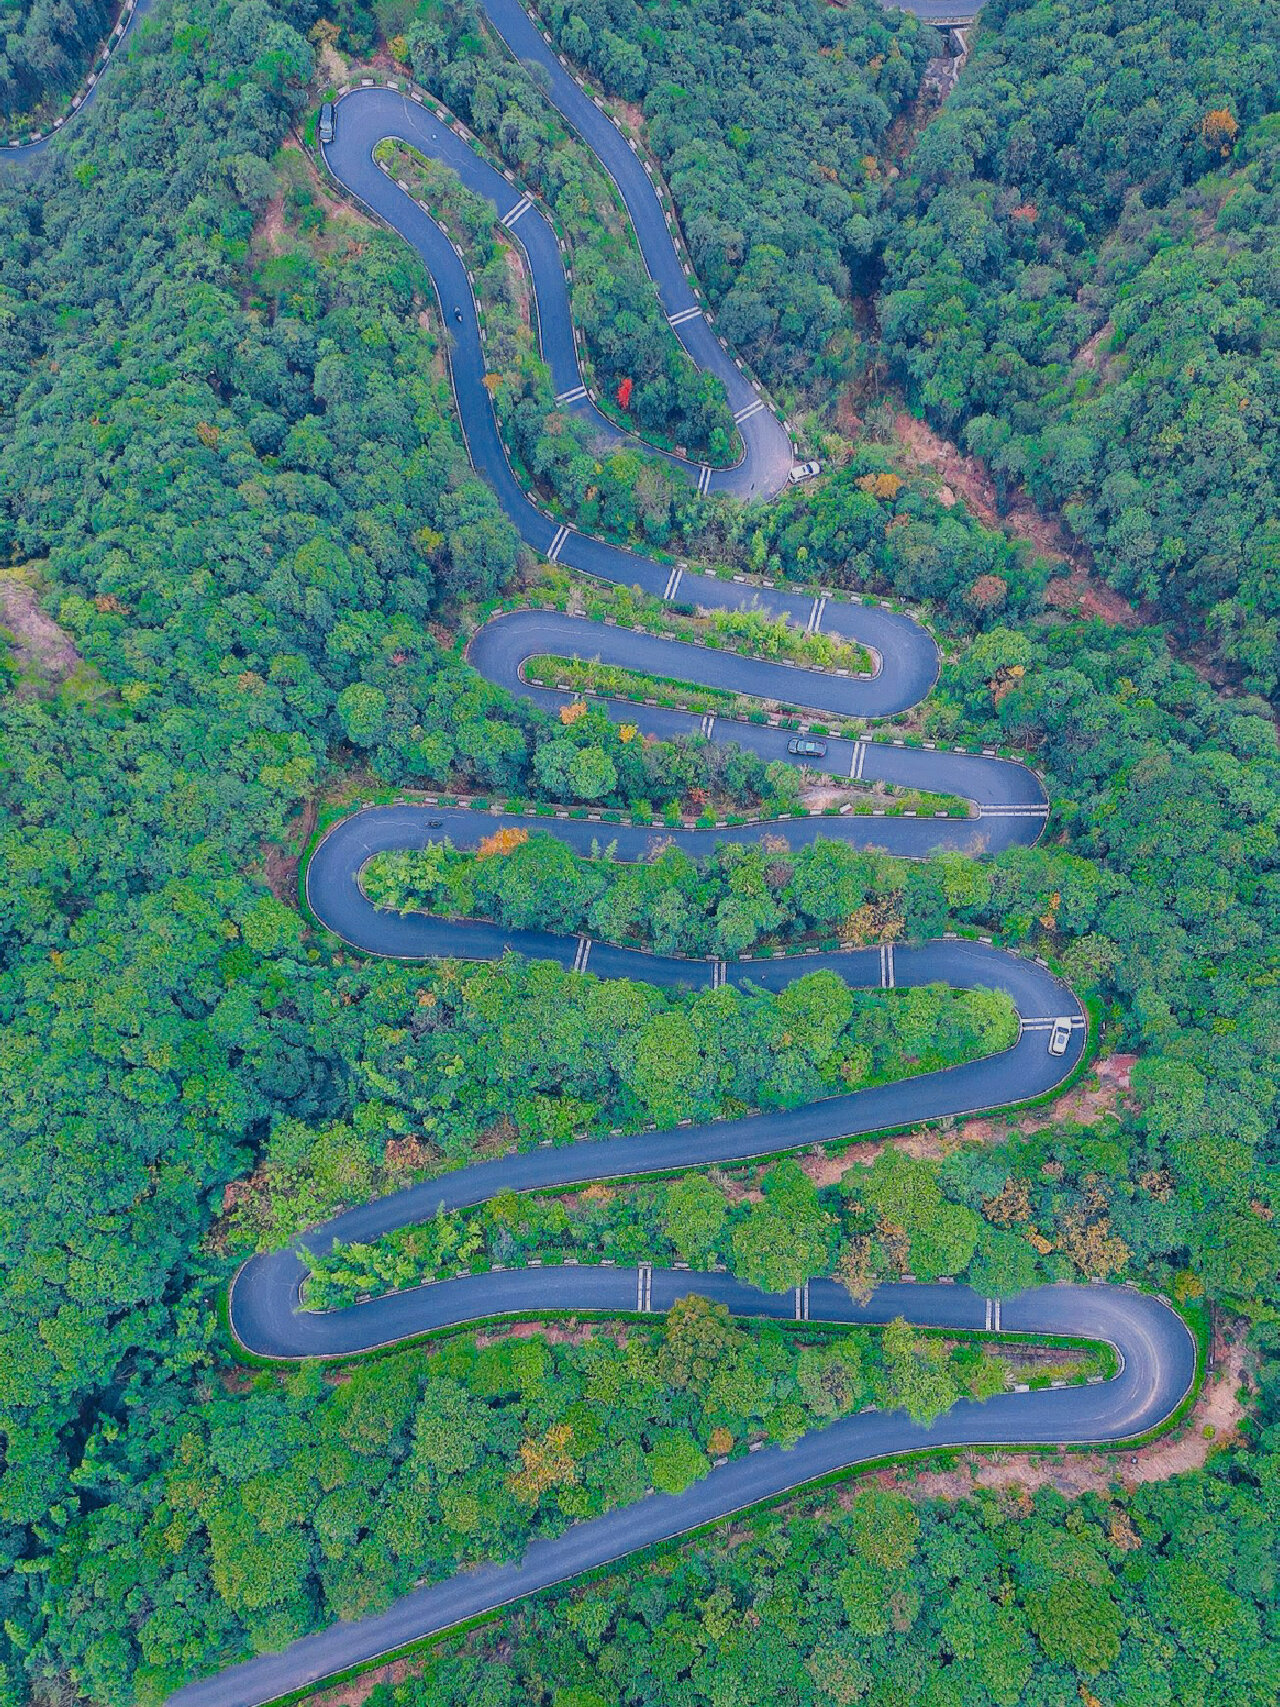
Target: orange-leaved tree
x=502, y=841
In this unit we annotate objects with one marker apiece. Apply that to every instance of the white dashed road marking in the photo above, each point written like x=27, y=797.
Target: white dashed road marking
x=517, y=212
x=572, y=395
x=704, y=479
x=554, y=549
x=580, y=958
x=887, y=974
x=708, y=724
x=683, y=315
x=673, y=581
x=815, y=615
x=745, y=414
x=859, y=759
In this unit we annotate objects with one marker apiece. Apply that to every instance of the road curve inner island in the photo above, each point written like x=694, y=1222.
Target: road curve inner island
x=1156, y=1355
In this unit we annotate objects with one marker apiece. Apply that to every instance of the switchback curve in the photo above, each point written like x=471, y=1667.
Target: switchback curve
x=1156, y=1353
x=367, y=116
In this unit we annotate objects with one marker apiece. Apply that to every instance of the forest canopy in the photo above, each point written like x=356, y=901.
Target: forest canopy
x=46, y=50
x=233, y=486
x=1081, y=281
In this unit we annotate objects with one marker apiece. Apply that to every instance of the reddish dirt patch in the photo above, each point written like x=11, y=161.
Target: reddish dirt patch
x=629, y=115
x=519, y=283
x=1218, y=1408
x=1075, y=589
x=556, y=1333
x=1094, y=1098
x=923, y=1145
x=968, y=476
x=1091, y=354
x=268, y=233
x=358, y=1691
x=1100, y=1094
x=280, y=860
x=40, y=647
x=321, y=187
x=1079, y=594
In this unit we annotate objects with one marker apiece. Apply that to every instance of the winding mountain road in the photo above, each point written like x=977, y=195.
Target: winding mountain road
x=1157, y=1357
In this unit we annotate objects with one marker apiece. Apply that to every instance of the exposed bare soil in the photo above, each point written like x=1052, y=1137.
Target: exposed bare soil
x=1219, y=1409
x=280, y=860
x=332, y=66
x=628, y=114
x=322, y=187
x=557, y=1333
x=967, y=477
x=43, y=652
x=1091, y=354
x=358, y=1691
x=1098, y=1095
x=268, y=233
x=1077, y=592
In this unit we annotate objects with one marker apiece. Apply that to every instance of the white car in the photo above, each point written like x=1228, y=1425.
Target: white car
x=804, y=471
x=1059, y=1037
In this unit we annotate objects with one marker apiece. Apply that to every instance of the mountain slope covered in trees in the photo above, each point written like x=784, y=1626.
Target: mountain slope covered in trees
x=45, y=51
x=1081, y=281
x=229, y=461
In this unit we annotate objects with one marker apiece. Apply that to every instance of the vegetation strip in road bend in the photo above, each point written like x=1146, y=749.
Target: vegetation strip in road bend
x=1156, y=1355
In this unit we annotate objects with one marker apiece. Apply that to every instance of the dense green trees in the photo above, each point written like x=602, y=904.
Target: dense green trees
x=46, y=49
x=1180, y=424
x=415, y=1052
x=226, y=448
x=1026, y=170
x=1083, y=280
x=313, y=1496
x=1002, y=1599
x=627, y=336
x=768, y=124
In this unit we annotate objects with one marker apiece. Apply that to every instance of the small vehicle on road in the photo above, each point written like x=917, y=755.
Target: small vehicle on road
x=804, y=471
x=457, y=315
x=805, y=747
x=326, y=122
x=1059, y=1037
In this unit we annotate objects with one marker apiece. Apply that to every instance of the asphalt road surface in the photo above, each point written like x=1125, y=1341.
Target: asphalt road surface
x=1158, y=1366
x=1157, y=1356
